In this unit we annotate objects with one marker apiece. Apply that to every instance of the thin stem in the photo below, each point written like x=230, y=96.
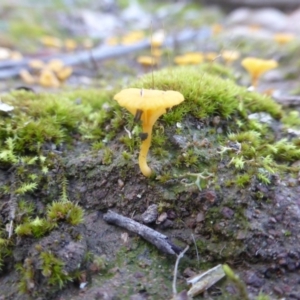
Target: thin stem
x=147, y=128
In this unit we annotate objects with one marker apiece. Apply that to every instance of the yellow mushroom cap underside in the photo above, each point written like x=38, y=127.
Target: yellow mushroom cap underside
x=144, y=99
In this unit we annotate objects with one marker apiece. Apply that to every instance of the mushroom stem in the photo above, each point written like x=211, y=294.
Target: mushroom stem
x=147, y=128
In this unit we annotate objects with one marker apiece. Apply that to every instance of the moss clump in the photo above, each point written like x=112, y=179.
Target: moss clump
x=53, y=270
x=36, y=228
x=207, y=95
x=65, y=211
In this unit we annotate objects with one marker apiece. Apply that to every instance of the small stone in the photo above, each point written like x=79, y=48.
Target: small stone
x=252, y=279
x=200, y=217
x=150, y=215
x=210, y=196
x=120, y=183
x=162, y=217
x=188, y=272
x=166, y=224
x=171, y=214
x=227, y=212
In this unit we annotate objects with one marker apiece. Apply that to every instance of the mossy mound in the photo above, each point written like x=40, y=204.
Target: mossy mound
x=62, y=153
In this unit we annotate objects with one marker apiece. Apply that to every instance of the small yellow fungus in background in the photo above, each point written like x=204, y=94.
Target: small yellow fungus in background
x=257, y=67
x=151, y=104
x=88, y=44
x=283, y=38
x=132, y=37
x=112, y=41
x=70, y=44
x=36, y=64
x=230, y=55
x=64, y=73
x=27, y=77
x=55, y=65
x=51, y=41
x=147, y=61
x=156, y=52
x=216, y=28
x=16, y=55
x=211, y=56
x=48, y=79
x=191, y=58
x=254, y=27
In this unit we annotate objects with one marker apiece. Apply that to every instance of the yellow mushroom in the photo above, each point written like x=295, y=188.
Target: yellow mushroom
x=51, y=41
x=48, y=79
x=147, y=61
x=191, y=58
x=283, y=38
x=36, y=64
x=211, y=56
x=64, y=73
x=150, y=105
x=55, y=65
x=70, y=44
x=230, y=55
x=256, y=67
x=26, y=76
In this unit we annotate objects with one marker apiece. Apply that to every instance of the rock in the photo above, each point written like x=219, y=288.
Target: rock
x=227, y=212
x=268, y=18
x=252, y=279
x=150, y=215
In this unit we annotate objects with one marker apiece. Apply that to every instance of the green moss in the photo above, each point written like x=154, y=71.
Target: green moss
x=207, y=95
x=65, y=211
x=36, y=228
x=53, y=269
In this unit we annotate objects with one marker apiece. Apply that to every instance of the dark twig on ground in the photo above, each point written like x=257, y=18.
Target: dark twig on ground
x=10, y=69
x=154, y=237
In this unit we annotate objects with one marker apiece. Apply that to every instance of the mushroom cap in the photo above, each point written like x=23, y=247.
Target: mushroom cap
x=144, y=99
x=258, y=66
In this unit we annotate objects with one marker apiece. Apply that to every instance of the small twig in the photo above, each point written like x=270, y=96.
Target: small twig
x=11, y=68
x=176, y=270
x=154, y=237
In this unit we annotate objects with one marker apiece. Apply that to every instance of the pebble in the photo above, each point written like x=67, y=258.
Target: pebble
x=200, y=217
x=150, y=215
x=227, y=212
x=252, y=279
x=162, y=217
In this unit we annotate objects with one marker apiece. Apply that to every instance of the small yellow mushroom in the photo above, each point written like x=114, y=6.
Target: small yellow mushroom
x=283, y=38
x=26, y=77
x=191, y=58
x=230, y=55
x=64, y=73
x=55, y=65
x=132, y=37
x=70, y=44
x=147, y=61
x=216, y=28
x=51, y=41
x=150, y=105
x=16, y=55
x=48, y=79
x=211, y=56
x=36, y=64
x=256, y=67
